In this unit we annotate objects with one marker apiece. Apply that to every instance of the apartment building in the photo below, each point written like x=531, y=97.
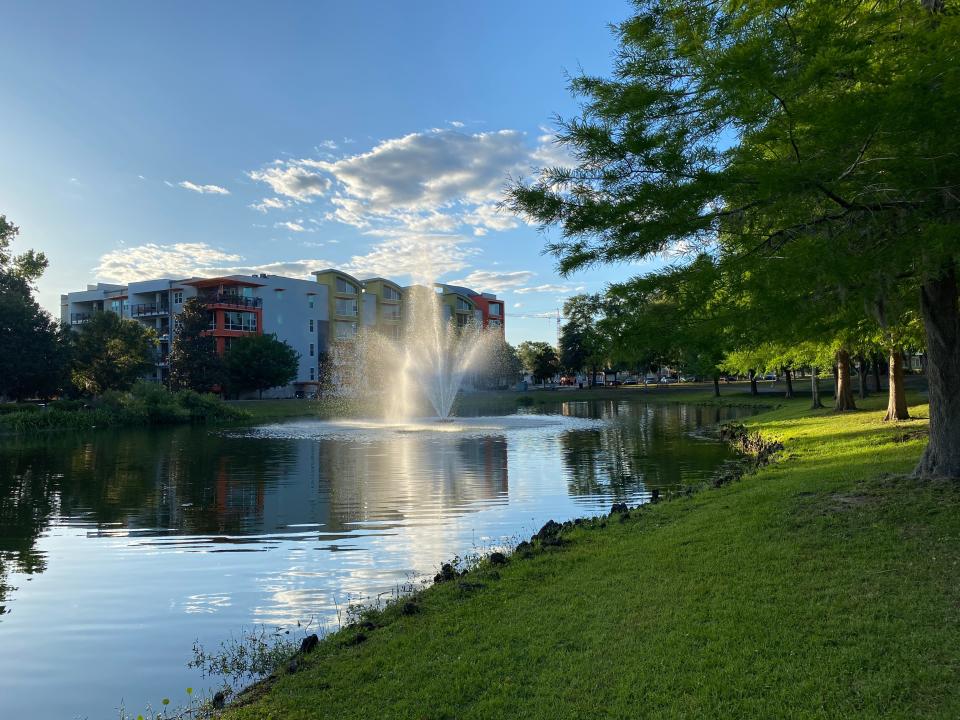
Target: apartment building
x=293, y=309
x=325, y=314
x=465, y=304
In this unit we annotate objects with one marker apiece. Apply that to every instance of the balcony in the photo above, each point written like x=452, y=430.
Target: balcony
x=146, y=310
x=230, y=300
x=80, y=318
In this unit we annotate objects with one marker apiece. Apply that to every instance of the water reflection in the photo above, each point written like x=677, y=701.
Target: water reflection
x=135, y=543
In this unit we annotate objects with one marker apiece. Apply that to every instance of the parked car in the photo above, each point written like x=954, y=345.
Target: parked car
x=666, y=380
x=771, y=376
x=687, y=378
x=630, y=382
x=614, y=383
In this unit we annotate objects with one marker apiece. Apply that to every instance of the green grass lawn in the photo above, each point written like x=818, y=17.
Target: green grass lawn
x=826, y=585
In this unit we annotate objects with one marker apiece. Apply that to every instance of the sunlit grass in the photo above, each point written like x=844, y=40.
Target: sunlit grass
x=825, y=585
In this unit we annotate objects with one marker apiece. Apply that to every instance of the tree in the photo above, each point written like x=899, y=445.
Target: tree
x=539, y=359
x=807, y=138
x=582, y=343
x=111, y=353
x=260, y=362
x=34, y=361
x=194, y=362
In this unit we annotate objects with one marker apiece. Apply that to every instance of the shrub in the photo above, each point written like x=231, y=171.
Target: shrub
x=8, y=408
x=68, y=405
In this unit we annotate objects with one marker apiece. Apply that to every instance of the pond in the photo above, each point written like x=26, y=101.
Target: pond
x=119, y=549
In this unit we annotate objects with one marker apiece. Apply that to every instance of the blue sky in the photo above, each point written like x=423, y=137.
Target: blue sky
x=190, y=138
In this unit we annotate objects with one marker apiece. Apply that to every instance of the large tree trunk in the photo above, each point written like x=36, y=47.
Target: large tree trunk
x=844, y=399
x=753, y=382
x=897, y=400
x=941, y=321
x=876, y=373
x=814, y=389
x=836, y=382
x=862, y=375
x=788, y=377
x=716, y=386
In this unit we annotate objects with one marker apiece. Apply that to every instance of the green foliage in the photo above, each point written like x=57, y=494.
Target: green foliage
x=260, y=362
x=194, y=363
x=583, y=343
x=806, y=149
x=26, y=267
x=111, y=353
x=38, y=367
x=8, y=408
x=145, y=404
x=539, y=359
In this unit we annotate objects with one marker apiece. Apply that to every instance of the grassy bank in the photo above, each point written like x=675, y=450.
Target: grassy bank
x=825, y=585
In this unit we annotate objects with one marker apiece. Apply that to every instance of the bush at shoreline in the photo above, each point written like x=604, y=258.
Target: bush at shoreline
x=145, y=404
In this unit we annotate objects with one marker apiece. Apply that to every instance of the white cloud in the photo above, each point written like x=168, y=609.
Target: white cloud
x=546, y=288
x=486, y=280
x=270, y=203
x=291, y=226
x=550, y=153
x=168, y=183
x=490, y=217
x=423, y=258
x=203, y=189
x=181, y=260
x=430, y=170
x=156, y=261
x=292, y=180
x=518, y=305
x=424, y=195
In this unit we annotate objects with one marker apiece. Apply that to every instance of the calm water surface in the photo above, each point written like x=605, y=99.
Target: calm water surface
x=119, y=549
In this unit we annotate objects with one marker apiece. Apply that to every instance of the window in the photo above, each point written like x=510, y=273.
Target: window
x=310, y=302
x=213, y=321
x=278, y=294
x=244, y=321
x=390, y=312
x=311, y=349
x=390, y=293
x=463, y=305
x=345, y=330
x=311, y=327
x=313, y=372
x=116, y=306
x=178, y=297
x=346, y=288
x=346, y=307
x=494, y=323
x=495, y=309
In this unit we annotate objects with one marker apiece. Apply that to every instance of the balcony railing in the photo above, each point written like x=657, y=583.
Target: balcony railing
x=144, y=309
x=79, y=318
x=231, y=300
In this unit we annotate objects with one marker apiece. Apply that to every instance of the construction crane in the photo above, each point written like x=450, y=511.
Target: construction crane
x=545, y=315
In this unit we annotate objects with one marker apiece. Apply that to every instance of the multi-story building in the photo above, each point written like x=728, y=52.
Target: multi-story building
x=312, y=316
x=295, y=310
x=487, y=309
